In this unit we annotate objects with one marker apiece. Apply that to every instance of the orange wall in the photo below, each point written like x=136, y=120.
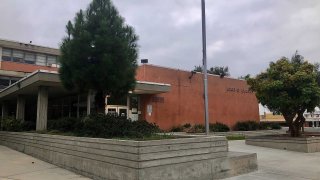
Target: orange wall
x=184, y=103
x=21, y=67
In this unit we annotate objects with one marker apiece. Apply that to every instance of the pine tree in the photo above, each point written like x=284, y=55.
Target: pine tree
x=99, y=53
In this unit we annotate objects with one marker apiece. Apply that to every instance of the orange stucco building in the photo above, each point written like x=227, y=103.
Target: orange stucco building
x=230, y=100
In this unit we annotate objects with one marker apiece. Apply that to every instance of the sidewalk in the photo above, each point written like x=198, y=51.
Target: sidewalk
x=275, y=164
x=18, y=166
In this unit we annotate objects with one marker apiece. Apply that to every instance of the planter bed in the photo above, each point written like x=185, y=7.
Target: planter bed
x=197, y=157
x=308, y=144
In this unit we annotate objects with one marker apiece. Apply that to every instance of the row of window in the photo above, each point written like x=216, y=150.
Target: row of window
x=28, y=57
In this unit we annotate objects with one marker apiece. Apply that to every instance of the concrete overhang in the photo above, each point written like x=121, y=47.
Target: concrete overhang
x=143, y=87
x=29, y=86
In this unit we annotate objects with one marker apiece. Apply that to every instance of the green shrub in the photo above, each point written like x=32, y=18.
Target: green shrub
x=106, y=126
x=187, y=125
x=219, y=127
x=13, y=124
x=177, y=129
x=197, y=128
x=65, y=124
x=246, y=126
x=269, y=126
x=264, y=126
x=275, y=126
x=181, y=128
x=236, y=137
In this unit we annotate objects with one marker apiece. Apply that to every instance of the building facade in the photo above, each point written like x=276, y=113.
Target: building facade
x=166, y=96
x=230, y=100
x=20, y=59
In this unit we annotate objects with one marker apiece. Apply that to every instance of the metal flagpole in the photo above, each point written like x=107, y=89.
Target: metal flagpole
x=204, y=68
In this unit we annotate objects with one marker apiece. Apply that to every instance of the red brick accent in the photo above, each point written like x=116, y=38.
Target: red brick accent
x=20, y=67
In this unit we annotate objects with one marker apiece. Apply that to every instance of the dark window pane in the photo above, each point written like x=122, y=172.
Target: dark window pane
x=29, y=62
x=12, y=81
x=15, y=59
x=6, y=58
x=4, y=82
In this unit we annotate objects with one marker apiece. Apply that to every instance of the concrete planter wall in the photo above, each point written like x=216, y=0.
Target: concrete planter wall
x=301, y=144
x=183, y=158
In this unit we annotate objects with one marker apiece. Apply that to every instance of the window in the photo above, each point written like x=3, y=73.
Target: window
x=52, y=60
x=6, y=54
x=12, y=81
x=41, y=59
x=30, y=58
x=4, y=82
x=17, y=56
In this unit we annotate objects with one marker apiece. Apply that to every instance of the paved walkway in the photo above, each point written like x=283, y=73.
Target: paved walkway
x=277, y=164
x=18, y=166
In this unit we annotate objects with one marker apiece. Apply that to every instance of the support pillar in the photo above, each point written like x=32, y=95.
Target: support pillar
x=42, y=108
x=21, y=105
x=78, y=106
x=128, y=106
x=89, y=103
x=4, y=110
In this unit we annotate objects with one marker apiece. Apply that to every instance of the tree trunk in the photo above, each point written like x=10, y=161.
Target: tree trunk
x=294, y=128
x=296, y=125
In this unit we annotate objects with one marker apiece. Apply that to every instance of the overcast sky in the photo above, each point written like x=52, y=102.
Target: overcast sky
x=242, y=34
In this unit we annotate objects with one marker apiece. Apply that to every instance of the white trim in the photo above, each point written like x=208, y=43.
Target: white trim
x=153, y=83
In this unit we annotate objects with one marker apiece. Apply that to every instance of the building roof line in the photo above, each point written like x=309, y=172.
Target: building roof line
x=14, y=41
x=214, y=75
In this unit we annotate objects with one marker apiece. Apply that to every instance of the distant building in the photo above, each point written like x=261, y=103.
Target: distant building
x=312, y=118
x=166, y=96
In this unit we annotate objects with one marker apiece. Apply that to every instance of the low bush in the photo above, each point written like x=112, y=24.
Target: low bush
x=65, y=124
x=275, y=126
x=246, y=126
x=177, y=129
x=253, y=125
x=236, y=137
x=104, y=126
x=219, y=127
x=187, y=125
x=197, y=128
x=181, y=128
x=269, y=126
x=17, y=125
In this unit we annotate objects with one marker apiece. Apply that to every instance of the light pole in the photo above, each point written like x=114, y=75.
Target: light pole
x=204, y=68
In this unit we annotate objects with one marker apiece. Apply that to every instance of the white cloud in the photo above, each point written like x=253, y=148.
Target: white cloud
x=242, y=34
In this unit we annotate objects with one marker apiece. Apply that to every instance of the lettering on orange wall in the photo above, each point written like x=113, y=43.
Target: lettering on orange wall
x=239, y=90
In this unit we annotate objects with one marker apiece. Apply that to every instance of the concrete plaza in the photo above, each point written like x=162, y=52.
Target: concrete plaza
x=274, y=164
x=18, y=166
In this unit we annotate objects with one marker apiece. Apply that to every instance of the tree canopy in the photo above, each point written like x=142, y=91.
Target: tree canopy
x=217, y=70
x=99, y=52
x=288, y=87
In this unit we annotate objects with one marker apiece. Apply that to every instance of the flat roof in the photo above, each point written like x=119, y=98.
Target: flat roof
x=29, y=47
x=29, y=86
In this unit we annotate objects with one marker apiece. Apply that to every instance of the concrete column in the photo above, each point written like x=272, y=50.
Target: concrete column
x=42, y=108
x=21, y=105
x=128, y=106
x=78, y=106
x=4, y=110
x=89, y=102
